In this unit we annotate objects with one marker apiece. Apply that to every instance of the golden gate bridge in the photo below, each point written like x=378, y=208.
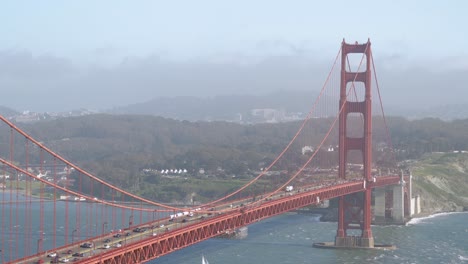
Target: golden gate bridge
x=54, y=210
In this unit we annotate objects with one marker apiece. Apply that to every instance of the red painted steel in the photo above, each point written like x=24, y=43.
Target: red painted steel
x=228, y=218
x=79, y=169
x=363, y=144
x=155, y=247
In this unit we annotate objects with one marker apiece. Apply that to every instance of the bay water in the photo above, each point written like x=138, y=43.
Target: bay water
x=288, y=238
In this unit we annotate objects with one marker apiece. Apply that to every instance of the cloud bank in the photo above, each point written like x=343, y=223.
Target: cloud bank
x=50, y=83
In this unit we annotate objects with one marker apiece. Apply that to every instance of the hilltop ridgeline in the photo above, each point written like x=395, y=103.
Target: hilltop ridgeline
x=119, y=148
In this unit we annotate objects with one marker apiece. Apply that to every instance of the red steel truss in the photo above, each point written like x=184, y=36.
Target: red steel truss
x=153, y=248
x=354, y=203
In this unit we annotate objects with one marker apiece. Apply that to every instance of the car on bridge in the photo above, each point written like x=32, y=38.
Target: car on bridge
x=139, y=229
x=87, y=245
x=78, y=254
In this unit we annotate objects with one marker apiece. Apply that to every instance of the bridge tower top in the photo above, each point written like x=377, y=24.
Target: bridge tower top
x=363, y=143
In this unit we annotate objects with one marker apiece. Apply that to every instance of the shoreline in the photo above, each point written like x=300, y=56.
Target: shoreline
x=422, y=217
x=330, y=215
x=22, y=192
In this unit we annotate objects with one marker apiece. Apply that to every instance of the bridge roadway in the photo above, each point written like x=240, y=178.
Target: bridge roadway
x=164, y=236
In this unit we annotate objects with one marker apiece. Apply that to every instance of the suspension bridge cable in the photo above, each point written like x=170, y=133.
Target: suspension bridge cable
x=90, y=198
x=322, y=142
x=308, y=117
x=12, y=126
x=387, y=130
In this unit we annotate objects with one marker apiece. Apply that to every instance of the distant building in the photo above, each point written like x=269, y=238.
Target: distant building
x=27, y=117
x=307, y=149
x=268, y=115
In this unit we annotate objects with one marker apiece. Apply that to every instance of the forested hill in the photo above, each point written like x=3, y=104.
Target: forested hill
x=119, y=147
x=103, y=135
x=122, y=146
x=155, y=141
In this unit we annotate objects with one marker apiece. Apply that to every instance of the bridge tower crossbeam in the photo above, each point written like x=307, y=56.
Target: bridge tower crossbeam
x=348, y=218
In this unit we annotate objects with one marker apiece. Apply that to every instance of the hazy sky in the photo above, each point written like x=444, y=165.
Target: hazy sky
x=58, y=55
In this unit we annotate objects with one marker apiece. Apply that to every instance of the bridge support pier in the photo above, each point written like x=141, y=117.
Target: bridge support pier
x=354, y=242
x=394, y=204
x=354, y=213
x=380, y=205
x=398, y=212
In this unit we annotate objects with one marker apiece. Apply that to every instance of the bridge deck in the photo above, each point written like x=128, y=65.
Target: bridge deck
x=159, y=240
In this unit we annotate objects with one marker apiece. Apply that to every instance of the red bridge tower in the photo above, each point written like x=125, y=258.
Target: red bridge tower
x=348, y=216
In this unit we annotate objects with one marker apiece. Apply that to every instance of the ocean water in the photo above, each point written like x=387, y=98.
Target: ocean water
x=288, y=238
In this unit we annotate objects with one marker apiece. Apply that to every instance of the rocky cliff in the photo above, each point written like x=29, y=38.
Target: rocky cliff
x=441, y=179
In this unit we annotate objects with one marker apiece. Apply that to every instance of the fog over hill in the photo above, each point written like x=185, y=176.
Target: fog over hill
x=288, y=105
x=234, y=107
x=53, y=83
x=227, y=108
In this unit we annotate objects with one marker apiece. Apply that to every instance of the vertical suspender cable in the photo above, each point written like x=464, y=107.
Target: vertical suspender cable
x=103, y=214
x=389, y=139
x=141, y=213
x=67, y=209
x=55, y=205
x=16, y=204
x=11, y=171
x=27, y=207
x=3, y=213
x=113, y=210
x=89, y=214
x=41, y=202
x=78, y=207
x=124, y=212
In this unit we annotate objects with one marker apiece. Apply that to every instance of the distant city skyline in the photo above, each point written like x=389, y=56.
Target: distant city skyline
x=62, y=55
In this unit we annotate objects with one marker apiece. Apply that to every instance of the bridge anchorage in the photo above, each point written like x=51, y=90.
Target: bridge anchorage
x=354, y=211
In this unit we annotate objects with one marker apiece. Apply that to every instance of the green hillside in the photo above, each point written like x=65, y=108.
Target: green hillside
x=119, y=149
x=442, y=181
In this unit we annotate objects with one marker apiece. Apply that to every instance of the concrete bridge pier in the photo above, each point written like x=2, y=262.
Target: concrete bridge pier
x=395, y=204
x=380, y=205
